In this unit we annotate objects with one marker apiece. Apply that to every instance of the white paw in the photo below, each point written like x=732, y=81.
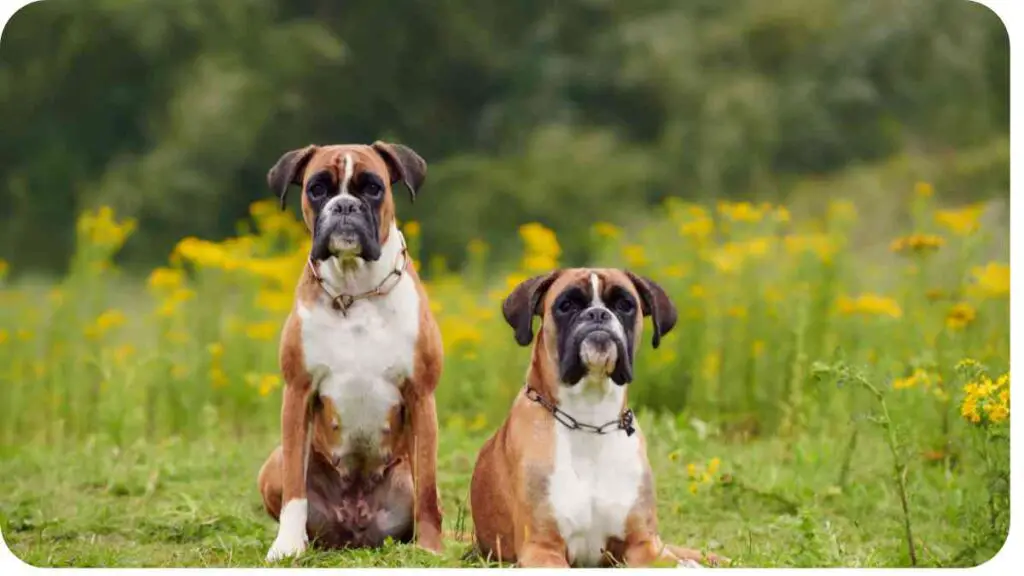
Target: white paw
x=286, y=545
x=689, y=564
x=291, y=534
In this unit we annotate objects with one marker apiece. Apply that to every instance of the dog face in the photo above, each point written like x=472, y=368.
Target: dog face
x=591, y=319
x=347, y=200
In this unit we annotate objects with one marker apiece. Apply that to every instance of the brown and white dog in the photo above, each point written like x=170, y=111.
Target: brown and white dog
x=361, y=356
x=565, y=481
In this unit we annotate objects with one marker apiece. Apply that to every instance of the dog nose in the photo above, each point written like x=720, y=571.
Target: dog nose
x=598, y=315
x=348, y=206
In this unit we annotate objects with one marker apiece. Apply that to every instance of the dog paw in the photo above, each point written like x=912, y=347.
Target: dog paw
x=286, y=545
x=687, y=563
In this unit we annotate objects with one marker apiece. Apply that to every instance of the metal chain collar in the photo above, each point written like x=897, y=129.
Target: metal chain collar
x=624, y=421
x=342, y=302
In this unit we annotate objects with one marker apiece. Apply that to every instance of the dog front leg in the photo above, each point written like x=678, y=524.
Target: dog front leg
x=427, y=513
x=296, y=428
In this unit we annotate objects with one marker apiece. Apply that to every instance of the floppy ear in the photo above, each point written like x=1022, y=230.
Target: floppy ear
x=656, y=304
x=288, y=171
x=403, y=164
x=523, y=303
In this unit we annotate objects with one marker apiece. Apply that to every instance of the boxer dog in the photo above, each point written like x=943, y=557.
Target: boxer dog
x=360, y=356
x=565, y=481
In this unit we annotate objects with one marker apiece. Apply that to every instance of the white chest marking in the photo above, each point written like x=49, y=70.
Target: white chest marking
x=596, y=478
x=360, y=360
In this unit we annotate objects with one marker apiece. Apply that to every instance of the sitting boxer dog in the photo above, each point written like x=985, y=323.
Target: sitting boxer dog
x=361, y=356
x=565, y=481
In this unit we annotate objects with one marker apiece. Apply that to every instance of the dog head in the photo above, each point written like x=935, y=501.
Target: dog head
x=347, y=200
x=591, y=319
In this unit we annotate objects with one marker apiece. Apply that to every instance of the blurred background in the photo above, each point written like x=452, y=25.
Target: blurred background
x=821, y=186
x=172, y=111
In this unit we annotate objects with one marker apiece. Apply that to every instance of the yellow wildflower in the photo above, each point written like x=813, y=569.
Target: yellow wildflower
x=869, y=305
x=781, y=215
x=268, y=383
x=691, y=470
x=713, y=465
x=697, y=291
x=698, y=229
x=960, y=316
x=123, y=353
x=274, y=301
x=215, y=349
x=635, y=256
x=992, y=280
x=606, y=230
x=478, y=423
x=165, y=279
x=477, y=247
x=693, y=487
x=740, y=211
x=411, y=229
x=842, y=210
x=963, y=221
x=4, y=336
x=712, y=363
x=540, y=241
x=924, y=190
x=674, y=271
x=218, y=379
x=917, y=243
x=262, y=330
x=821, y=245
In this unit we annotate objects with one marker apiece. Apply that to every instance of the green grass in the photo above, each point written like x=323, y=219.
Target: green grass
x=774, y=502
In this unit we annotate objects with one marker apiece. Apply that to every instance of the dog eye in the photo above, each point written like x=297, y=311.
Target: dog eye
x=625, y=306
x=373, y=190
x=317, y=191
x=566, y=306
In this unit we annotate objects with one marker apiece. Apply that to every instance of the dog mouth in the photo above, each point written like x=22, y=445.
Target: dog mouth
x=598, y=352
x=346, y=238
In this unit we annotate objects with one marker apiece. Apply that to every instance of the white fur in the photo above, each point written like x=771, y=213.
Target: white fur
x=360, y=359
x=291, y=535
x=596, y=478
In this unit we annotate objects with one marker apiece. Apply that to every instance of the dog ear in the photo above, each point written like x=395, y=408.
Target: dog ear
x=288, y=171
x=656, y=304
x=524, y=303
x=403, y=164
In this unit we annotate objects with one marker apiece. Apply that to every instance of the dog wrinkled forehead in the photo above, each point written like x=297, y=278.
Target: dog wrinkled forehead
x=335, y=160
x=587, y=280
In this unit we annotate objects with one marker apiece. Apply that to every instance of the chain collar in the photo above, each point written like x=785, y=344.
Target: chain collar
x=342, y=302
x=624, y=421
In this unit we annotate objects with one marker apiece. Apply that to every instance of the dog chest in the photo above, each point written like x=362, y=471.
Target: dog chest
x=360, y=360
x=594, y=485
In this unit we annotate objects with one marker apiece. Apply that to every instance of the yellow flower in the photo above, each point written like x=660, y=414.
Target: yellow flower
x=606, y=230
x=963, y=221
x=215, y=349
x=540, y=240
x=917, y=243
x=740, y=211
x=165, y=279
x=698, y=230
x=737, y=311
x=268, y=383
x=4, y=336
x=697, y=291
x=712, y=363
x=713, y=465
x=274, y=301
x=513, y=280
x=869, y=305
x=821, y=245
x=673, y=456
x=412, y=229
x=674, y=271
x=635, y=256
x=960, y=316
x=992, y=280
x=923, y=190
x=691, y=470
x=262, y=330
x=693, y=487
x=539, y=262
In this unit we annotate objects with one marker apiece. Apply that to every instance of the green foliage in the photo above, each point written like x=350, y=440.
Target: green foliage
x=172, y=111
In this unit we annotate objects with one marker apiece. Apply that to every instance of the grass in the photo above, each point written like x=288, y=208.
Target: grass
x=773, y=502
x=812, y=407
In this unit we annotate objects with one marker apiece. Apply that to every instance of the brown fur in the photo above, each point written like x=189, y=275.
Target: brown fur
x=509, y=492
x=342, y=495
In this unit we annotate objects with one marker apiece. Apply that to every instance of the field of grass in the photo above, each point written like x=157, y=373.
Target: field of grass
x=818, y=404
